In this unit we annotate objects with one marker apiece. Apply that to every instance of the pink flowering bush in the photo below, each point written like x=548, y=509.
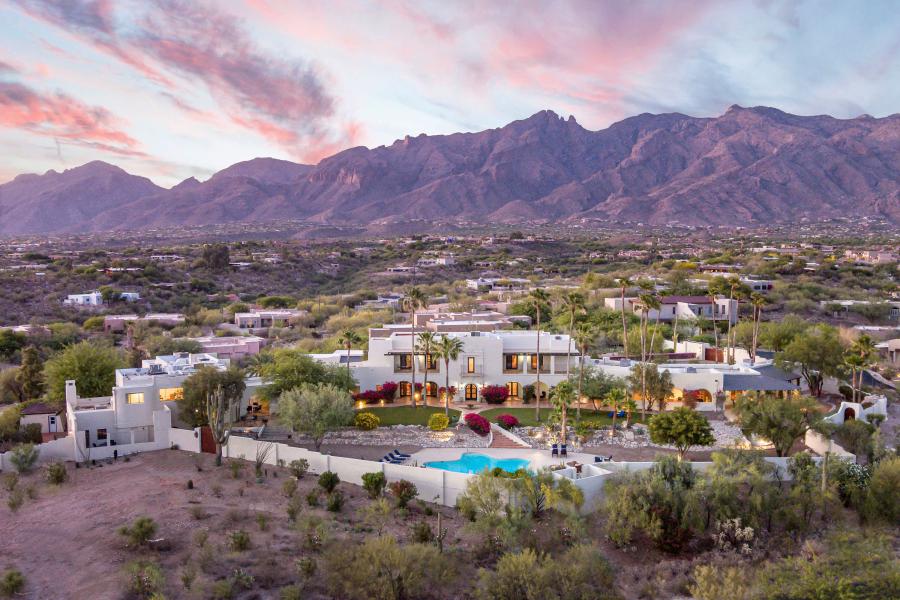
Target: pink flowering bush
x=494, y=394
x=507, y=421
x=477, y=423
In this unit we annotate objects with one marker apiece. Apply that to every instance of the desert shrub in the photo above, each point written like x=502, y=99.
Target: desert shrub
x=242, y=579
x=366, y=421
x=236, y=467
x=507, y=421
x=712, y=582
x=223, y=589
x=374, y=484
x=579, y=572
x=306, y=567
x=484, y=498
x=291, y=592
x=10, y=481
x=335, y=501
x=422, y=533
x=198, y=513
x=23, y=457
x=382, y=569
x=15, y=500
x=262, y=519
x=312, y=498
x=403, y=491
x=328, y=481
x=883, y=500
x=12, y=582
x=239, y=540
x=140, y=532
x=201, y=537
x=314, y=531
x=289, y=488
x=438, y=422
x=188, y=576
x=477, y=423
x=57, y=473
x=376, y=514
x=299, y=467
x=145, y=579
x=293, y=508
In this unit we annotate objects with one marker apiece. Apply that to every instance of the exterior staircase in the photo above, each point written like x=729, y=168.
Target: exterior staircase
x=504, y=439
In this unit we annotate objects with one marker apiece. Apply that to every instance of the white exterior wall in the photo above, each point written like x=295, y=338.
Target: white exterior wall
x=487, y=350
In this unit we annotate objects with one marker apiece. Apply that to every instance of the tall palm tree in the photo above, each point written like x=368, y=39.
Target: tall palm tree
x=715, y=287
x=413, y=301
x=856, y=364
x=426, y=344
x=573, y=303
x=646, y=302
x=562, y=398
x=257, y=363
x=448, y=348
x=757, y=300
x=585, y=335
x=616, y=398
x=624, y=282
x=538, y=298
x=348, y=339
x=733, y=284
x=864, y=347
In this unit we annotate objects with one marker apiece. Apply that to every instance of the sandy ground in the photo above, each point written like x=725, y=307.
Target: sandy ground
x=66, y=544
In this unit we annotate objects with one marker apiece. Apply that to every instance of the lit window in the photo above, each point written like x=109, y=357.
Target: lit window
x=470, y=364
x=512, y=388
x=430, y=362
x=512, y=362
x=136, y=398
x=405, y=388
x=471, y=392
x=406, y=361
x=171, y=394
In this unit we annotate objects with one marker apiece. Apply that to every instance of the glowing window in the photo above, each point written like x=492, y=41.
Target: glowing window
x=171, y=394
x=136, y=398
x=470, y=364
x=471, y=392
x=512, y=388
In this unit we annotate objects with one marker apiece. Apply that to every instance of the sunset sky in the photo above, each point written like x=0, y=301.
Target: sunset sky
x=172, y=88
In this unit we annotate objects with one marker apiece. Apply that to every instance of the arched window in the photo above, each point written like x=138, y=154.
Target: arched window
x=512, y=389
x=405, y=388
x=471, y=391
x=432, y=389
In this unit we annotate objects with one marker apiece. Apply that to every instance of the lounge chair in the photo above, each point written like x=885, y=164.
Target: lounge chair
x=400, y=454
x=563, y=451
x=396, y=456
x=554, y=450
x=387, y=458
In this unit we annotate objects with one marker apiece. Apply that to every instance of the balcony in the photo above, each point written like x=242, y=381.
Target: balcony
x=476, y=372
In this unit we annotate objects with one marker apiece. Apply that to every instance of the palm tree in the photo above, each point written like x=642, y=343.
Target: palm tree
x=562, y=398
x=573, y=303
x=348, y=339
x=715, y=287
x=629, y=407
x=864, y=347
x=257, y=363
x=413, y=301
x=758, y=301
x=647, y=302
x=538, y=298
x=427, y=342
x=855, y=363
x=448, y=348
x=733, y=284
x=625, y=283
x=616, y=398
x=585, y=334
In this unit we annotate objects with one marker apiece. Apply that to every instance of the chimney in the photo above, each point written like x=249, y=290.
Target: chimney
x=71, y=392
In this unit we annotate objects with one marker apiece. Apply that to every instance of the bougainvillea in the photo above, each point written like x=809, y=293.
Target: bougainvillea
x=477, y=423
x=507, y=421
x=494, y=394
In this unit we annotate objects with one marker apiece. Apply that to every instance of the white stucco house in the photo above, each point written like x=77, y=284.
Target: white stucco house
x=141, y=406
x=683, y=308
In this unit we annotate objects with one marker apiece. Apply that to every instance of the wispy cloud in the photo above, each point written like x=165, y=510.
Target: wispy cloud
x=59, y=116
x=280, y=98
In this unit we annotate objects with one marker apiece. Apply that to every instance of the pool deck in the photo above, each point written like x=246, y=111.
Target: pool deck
x=538, y=458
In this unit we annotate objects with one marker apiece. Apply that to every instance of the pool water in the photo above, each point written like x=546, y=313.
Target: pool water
x=472, y=462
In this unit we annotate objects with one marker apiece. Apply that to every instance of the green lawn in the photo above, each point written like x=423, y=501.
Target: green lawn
x=526, y=415
x=407, y=415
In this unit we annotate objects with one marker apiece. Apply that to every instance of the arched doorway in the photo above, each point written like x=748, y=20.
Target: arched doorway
x=471, y=392
x=849, y=414
x=431, y=389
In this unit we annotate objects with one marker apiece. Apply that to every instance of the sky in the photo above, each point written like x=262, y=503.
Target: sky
x=171, y=89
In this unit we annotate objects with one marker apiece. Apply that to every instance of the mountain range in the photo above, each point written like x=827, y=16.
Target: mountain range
x=749, y=165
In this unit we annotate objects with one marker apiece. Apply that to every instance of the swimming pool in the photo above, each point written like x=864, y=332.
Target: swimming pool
x=472, y=462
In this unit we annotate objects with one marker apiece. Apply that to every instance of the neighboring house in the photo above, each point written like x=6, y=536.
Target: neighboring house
x=684, y=308
x=761, y=286
x=117, y=323
x=264, y=318
x=96, y=298
x=488, y=284
x=890, y=350
x=139, y=409
x=871, y=257
x=339, y=357
x=391, y=301
x=231, y=347
x=48, y=417
x=447, y=322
